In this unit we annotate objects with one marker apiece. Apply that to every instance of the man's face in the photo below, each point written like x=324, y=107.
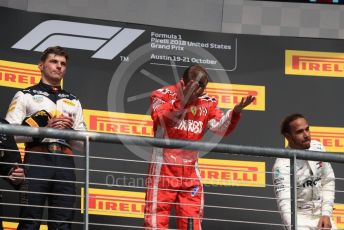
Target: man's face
x=53, y=69
x=201, y=79
x=299, y=136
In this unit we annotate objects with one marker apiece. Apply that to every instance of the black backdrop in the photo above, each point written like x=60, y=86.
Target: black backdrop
x=120, y=84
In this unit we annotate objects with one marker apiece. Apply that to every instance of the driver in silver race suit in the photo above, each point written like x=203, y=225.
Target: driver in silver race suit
x=315, y=180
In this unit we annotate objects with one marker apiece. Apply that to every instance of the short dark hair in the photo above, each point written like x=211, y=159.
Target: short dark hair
x=57, y=50
x=193, y=69
x=285, y=124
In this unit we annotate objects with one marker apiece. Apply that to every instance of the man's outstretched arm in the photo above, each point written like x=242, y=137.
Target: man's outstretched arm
x=224, y=123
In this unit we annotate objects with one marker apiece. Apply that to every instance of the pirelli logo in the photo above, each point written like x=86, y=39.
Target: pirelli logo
x=338, y=215
x=115, y=203
x=232, y=173
x=13, y=226
x=10, y=225
x=215, y=172
x=312, y=63
x=331, y=137
x=230, y=94
x=118, y=123
x=18, y=75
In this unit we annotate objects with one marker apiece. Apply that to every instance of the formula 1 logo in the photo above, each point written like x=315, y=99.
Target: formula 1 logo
x=107, y=41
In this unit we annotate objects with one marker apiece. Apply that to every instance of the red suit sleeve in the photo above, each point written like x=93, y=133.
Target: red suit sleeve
x=222, y=123
x=165, y=107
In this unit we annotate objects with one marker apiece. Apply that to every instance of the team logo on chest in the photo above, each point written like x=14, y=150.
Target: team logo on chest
x=37, y=98
x=193, y=110
x=68, y=102
x=202, y=110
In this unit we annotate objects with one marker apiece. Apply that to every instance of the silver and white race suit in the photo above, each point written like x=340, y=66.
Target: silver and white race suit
x=315, y=190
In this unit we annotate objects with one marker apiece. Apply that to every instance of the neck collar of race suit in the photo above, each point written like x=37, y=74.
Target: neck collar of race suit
x=50, y=88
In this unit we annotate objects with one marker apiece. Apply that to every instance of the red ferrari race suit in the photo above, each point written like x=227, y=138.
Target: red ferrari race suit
x=174, y=178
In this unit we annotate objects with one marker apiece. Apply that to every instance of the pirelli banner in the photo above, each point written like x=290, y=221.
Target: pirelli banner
x=113, y=68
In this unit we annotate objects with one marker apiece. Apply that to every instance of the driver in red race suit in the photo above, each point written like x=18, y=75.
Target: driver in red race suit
x=183, y=111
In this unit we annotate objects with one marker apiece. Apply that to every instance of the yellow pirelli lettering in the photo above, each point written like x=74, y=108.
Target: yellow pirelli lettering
x=338, y=215
x=115, y=203
x=18, y=75
x=331, y=137
x=230, y=94
x=14, y=225
x=311, y=63
x=232, y=173
x=118, y=123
